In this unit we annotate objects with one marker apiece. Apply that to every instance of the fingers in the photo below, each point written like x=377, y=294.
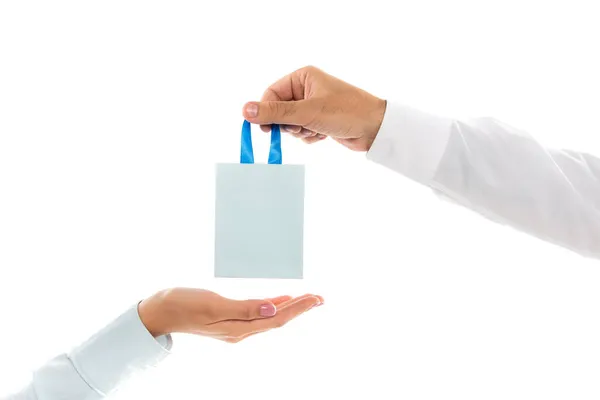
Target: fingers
x=228, y=309
x=293, y=129
x=295, y=299
x=245, y=309
x=314, y=139
x=290, y=87
x=287, y=312
x=285, y=100
x=279, y=91
x=306, y=135
x=279, y=300
x=300, y=112
x=299, y=133
x=235, y=331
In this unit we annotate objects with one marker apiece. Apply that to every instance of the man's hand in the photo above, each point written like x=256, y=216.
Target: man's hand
x=312, y=105
x=206, y=313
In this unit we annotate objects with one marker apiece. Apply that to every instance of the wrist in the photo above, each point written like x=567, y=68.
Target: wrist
x=154, y=314
x=375, y=120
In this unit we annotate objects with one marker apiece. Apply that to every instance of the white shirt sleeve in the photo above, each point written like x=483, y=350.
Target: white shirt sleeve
x=498, y=171
x=97, y=367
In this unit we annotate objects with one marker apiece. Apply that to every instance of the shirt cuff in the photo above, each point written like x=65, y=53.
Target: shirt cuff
x=113, y=355
x=411, y=142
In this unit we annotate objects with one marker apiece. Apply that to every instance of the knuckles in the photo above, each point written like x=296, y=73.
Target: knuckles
x=274, y=108
x=309, y=68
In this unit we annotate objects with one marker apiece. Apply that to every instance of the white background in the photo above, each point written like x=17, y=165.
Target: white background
x=113, y=114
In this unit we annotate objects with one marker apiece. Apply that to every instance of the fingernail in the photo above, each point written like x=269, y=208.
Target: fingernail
x=252, y=110
x=321, y=137
x=319, y=302
x=267, y=310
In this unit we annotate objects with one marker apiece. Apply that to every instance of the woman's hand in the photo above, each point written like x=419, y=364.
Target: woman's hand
x=206, y=313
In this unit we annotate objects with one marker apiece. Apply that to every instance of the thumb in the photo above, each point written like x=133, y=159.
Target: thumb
x=279, y=112
x=248, y=309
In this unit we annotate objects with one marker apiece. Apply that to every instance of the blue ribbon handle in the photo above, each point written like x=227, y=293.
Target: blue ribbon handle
x=247, y=153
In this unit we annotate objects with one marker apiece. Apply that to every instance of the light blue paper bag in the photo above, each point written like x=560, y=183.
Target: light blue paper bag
x=259, y=215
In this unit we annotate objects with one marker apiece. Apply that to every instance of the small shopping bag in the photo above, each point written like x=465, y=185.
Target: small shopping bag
x=259, y=215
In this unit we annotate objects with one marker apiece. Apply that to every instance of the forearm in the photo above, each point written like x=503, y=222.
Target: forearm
x=500, y=172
